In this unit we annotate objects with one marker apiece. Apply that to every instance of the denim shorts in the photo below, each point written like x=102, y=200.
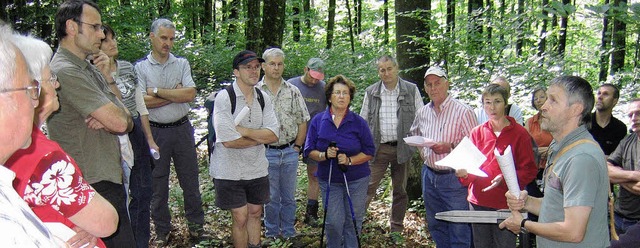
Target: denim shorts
x=232, y=194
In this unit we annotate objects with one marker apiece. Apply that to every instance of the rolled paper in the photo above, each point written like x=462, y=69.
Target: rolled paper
x=155, y=154
x=507, y=166
x=241, y=115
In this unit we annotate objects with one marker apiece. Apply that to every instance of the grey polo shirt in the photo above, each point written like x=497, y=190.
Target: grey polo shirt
x=152, y=73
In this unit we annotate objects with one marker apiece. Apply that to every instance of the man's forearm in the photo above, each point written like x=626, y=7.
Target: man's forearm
x=180, y=95
x=532, y=205
x=155, y=102
x=619, y=175
x=240, y=143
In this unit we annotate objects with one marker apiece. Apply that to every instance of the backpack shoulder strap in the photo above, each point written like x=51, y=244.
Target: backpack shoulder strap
x=260, y=98
x=232, y=97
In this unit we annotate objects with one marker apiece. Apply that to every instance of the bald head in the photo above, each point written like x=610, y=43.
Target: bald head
x=502, y=81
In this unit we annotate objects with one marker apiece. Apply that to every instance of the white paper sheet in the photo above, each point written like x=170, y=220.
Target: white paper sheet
x=465, y=156
x=507, y=166
x=243, y=113
x=419, y=141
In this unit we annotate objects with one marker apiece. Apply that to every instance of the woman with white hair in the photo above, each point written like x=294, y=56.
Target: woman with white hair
x=47, y=178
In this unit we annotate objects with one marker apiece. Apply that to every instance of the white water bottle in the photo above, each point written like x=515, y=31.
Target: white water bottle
x=155, y=154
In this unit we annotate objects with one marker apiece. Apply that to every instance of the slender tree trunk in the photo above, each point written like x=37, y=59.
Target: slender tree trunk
x=231, y=18
x=503, y=9
x=562, y=41
x=306, y=7
x=331, y=23
x=273, y=22
x=489, y=17
x=351, y=39
x=618, y=41
x=635, y=61
x=296, y=22
x=252, y=29
x=412, y=57
x=542, y=45
x=604, y=46
x=358, y=5
x=520, y=31
x=164, y=8
x=475, y=39
x=385, y=14
x=451, y=19
x=3, y=12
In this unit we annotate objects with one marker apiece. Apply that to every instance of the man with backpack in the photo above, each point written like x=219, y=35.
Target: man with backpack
x=239, y=166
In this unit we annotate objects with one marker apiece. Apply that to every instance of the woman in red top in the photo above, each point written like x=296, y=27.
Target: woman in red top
x=46, y=177
x=488, y=193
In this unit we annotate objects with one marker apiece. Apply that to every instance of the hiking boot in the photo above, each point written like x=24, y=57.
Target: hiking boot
x=197, y=233
x=311, y=216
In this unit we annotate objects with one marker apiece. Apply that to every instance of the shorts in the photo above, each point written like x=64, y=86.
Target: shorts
x=232, y=194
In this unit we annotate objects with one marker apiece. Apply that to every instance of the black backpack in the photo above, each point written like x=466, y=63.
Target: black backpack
x=209, y=104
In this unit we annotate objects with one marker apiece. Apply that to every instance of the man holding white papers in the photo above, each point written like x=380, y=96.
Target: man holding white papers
x=446, y=121
x=573, y=211
x=503, y=135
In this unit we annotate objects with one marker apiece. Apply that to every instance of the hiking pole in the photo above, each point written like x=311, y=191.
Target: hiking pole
x=343, y=168
x=326, y=198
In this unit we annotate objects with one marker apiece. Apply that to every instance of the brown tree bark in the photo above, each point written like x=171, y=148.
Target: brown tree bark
x=273, y=22
x=232, y=9
x=604, y=46
x=331, y=23
x=296, y=22
x=385, y=14
x=618, y=41
x=252, y=28
x=520, y=29
x=562, y=40
x=542, y=45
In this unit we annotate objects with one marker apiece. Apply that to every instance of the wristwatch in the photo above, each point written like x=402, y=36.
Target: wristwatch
x=522, y=228
x=155, y=91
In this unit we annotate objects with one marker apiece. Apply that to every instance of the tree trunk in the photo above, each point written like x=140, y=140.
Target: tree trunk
x=331, y=23
x=618, y=41
x=252, y=28
x=412, y=57
x=273, y=22
x=358, y=5
x=604, y=46
x=385, y=14
x=451, y=19
x=349, y=18
x=164, y=8
x=562, y=41
x=231, y=17
x=475, y=39
x=208, y=25
x=542, y=45
x=489, y=17
x=306, y=7
x=520, y=31
x=3, y=12
x=296, y=22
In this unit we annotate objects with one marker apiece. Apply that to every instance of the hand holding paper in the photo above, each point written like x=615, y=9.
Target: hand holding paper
x=419, y=141
x=465, y=156
x=507, y=166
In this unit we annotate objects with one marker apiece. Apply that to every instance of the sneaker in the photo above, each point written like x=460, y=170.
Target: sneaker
x=162, y=240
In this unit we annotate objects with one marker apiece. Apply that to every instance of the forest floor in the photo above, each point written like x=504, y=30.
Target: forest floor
x=375, y=231
x=218, y=222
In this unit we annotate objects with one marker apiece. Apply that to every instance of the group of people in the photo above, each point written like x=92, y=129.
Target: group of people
x=114, y=129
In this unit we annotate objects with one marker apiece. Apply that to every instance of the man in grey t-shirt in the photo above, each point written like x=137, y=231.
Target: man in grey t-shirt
x=573, y=211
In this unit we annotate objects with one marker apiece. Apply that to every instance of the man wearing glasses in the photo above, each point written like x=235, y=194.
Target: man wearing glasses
x=90, y=116
x=292, y=114
x=19, y=226
x=169, y=90
x=239, y=165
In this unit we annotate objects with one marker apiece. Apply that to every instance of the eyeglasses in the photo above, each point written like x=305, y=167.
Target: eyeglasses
x=96, y=27
x=250, y=68
x=33, y=90
x=340, y=93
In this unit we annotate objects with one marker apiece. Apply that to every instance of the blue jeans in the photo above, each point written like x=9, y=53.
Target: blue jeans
x=280, y=212
x=140, y=186
x=622, y=223
x=443, y=192
x=339, y=223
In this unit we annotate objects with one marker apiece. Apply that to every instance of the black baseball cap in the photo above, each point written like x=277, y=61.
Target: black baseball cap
x=245, y=57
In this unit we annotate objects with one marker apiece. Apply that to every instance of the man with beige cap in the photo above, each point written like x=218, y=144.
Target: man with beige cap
x=446, y=121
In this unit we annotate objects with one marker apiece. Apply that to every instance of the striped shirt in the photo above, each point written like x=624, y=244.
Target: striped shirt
x=453, y=123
